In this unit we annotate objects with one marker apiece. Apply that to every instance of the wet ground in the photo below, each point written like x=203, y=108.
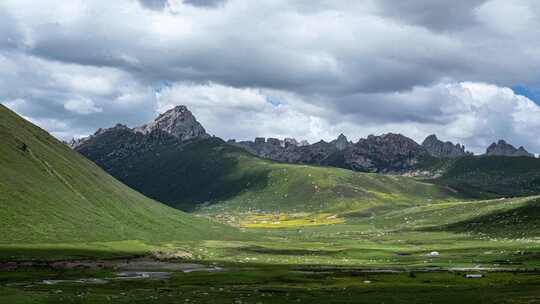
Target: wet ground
x=148, y=281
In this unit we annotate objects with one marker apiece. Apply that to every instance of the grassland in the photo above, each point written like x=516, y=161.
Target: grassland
x=274, y=285
x=483, y=177
x=213, y=176
x=51, y=194
x=304, y=233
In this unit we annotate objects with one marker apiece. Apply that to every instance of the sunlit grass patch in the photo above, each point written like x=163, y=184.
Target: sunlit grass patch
x=284, y=220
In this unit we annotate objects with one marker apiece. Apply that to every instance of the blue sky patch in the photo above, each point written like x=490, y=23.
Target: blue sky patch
x=533, y=95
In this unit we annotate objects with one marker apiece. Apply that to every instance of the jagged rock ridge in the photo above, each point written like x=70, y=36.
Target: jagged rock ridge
x=179, y=122
x=438, y=148
x=502, y=148
x=389, y=153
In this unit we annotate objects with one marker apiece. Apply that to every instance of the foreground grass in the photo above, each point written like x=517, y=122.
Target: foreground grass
x=51, y=194
x=274, y=285
x=397, y=238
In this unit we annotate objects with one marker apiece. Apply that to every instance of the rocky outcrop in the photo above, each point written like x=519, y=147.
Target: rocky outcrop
x=176, y=128
x=502, y=148
x=438, y=148
x=388, y=153
x=178, y=122
x=77, y=142
x=385, y=153
x=341, y=143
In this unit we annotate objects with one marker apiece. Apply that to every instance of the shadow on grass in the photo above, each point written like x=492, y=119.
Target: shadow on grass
x=288, y=251
x=15, y=253
x=520, y=222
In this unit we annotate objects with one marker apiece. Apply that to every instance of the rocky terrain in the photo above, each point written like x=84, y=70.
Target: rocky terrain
x=387, y=153
x=175, y=161
x=502, y=148
x=438, y=148
x=177, y=123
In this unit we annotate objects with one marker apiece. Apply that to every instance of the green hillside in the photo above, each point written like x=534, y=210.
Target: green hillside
x=491, y=176
x=212, y=177
x=50, y=194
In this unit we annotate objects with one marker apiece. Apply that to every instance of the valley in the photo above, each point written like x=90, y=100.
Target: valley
x=259, y=230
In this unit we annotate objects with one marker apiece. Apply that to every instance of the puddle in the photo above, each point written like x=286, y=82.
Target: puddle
x=79, y=281
x=143, y=275
x=204, y=269
x=307, y=272
x=141, y=269
x=166, y=266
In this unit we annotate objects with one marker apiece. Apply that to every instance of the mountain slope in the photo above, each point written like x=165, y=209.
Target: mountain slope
x=209, y=175
x=388, y=153
x=491, y=176
x=219, y=177
x=49, y=193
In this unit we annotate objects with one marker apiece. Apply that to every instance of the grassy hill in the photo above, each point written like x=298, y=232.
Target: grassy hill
x=213, y=177
x=491, y=176
x=51, y=194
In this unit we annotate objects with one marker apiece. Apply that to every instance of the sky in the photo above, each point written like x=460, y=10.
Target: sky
x=466, y=70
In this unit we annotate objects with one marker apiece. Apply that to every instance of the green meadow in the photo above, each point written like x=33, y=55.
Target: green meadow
x=266, y=232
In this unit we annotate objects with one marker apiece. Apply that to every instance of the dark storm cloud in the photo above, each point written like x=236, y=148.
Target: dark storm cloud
x=375, y=62
x=328, y=51
x=437, y=15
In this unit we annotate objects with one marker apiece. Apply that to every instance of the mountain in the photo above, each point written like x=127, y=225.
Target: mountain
x=178, y=122
x=490, y=176
x=438, y=148
x=502, y=148
x=341, y=142
x=208, y=173
x=201, y=171
x=50, y=194
x=388, y=153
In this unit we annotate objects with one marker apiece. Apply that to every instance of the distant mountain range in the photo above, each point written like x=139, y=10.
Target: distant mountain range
x=387, y=153
x=175, y=161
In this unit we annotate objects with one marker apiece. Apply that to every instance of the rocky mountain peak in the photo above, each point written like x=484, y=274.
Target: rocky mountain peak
x=179, y=122
x=341, y=142
x=117, y=127
x=438, y=148
x=502, y=148
x=391, y=142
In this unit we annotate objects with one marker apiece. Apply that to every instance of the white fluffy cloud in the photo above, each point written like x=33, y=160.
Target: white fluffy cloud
x=308, y=69
x=82, y=106
x=475, y=114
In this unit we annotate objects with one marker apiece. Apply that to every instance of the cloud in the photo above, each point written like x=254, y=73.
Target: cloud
x=309, y=69
x=322, y=48
x=154, y=4
x=83, y=98
x=435, y=15
x=474, y=114
x=163, y=4
x=246, y=113
x=205, y=3
x=83, y=106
